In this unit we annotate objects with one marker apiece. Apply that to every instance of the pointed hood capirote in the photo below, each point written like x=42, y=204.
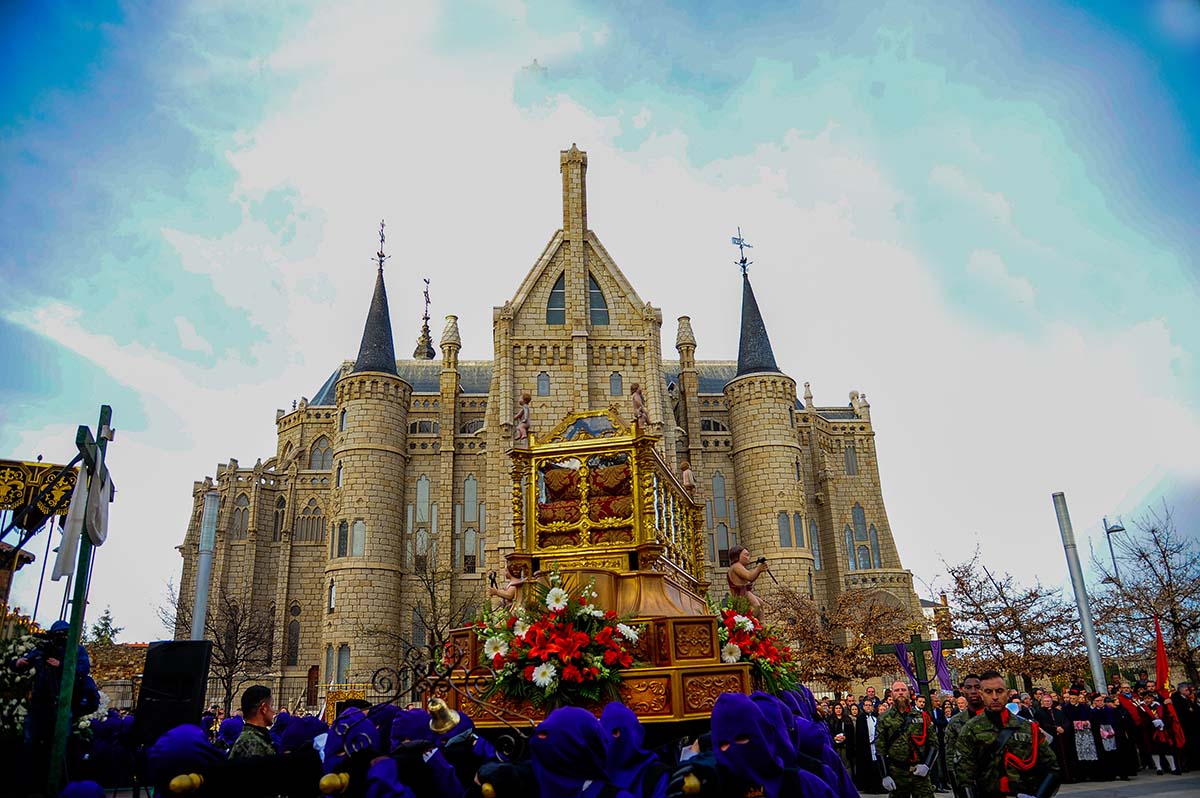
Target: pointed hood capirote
x=377, y=352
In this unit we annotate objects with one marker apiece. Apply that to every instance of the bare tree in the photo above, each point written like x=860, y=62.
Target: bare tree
x=1027, y=630
x=241, y=635
x=1157, y=574
x=422, y=633
x=839, y=649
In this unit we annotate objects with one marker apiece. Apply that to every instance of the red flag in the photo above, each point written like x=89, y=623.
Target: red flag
x=1162, y=678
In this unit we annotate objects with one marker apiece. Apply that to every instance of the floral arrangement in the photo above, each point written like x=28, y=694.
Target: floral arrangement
x=83, y=730
x=743, y=638
x=559, y=649
x=14, y=685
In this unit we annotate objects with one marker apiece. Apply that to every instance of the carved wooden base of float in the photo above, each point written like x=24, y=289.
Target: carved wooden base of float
x=656, y=695
x=678, y=677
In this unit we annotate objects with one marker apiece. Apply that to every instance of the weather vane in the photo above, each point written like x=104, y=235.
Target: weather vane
x=742, y=246
x=426, y=316
x=379, y=256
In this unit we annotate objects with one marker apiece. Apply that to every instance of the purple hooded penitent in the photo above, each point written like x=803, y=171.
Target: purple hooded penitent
x=351, y=732
x=777, y=715
x=744, y=744
x=184, y=749
x=627, y=760
x=569, y=748
x=410, y=725
x=230, y=730
x=383, y=781
x=300, y=733
x=82, y=789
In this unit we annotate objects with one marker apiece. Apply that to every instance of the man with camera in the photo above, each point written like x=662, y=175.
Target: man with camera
x=741, y=576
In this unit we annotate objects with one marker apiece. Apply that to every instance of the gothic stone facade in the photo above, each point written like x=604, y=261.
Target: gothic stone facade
x=382, y=474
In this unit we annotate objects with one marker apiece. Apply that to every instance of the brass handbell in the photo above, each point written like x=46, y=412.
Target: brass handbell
x=441, y=717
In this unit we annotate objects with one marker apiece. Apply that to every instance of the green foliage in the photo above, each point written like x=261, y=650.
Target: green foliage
x=104, y=631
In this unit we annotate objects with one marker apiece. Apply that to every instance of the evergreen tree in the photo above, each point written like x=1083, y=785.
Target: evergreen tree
x=104, y=631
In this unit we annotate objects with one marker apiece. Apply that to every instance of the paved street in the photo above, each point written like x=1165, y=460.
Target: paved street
x=1185, y=786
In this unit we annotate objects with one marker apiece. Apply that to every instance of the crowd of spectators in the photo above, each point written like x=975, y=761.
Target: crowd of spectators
x=1096, y=736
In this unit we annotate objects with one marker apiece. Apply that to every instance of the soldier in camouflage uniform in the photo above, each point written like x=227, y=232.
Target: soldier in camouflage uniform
x=1000, y=754
x=906, y=748
x=970, y=691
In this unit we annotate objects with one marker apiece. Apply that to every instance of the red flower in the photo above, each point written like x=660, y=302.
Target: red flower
x=497, y=662
x=529, y=669
x=572, y=674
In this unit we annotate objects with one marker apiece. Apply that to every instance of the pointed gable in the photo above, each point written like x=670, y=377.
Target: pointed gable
x=754, y=347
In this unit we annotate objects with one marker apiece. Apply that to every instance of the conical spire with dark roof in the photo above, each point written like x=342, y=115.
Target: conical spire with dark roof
x=376, y=352
x=754, y=348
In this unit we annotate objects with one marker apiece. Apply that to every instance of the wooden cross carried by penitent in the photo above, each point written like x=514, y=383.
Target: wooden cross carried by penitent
x=917, y=647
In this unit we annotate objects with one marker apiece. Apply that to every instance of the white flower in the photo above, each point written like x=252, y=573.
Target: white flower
x=627, y=632
x=494, y=646
x=83, y=724
x=597, y=613
x=746, y=624
x=556, y=599
x=730, y=653
x=520, y=628
x=543, y=675
x=586, y=609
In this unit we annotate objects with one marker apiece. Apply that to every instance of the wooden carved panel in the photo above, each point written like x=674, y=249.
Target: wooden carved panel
x=695, y=640
x=649, y=695
x=662, y=643
x=700, y=692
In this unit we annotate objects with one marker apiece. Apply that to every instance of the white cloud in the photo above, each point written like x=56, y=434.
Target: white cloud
x=990, y=269
x=189, y=339
x=642, y=118
x=958, y=183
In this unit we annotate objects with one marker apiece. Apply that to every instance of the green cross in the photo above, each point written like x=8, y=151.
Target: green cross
x=917, y=647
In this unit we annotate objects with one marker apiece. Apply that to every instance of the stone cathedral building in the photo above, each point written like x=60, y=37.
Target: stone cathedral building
x=395, y=467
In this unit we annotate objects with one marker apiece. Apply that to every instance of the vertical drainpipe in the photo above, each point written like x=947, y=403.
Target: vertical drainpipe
x=208, y=536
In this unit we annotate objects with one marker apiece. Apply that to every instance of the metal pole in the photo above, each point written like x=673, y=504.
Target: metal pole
x=1111, y=553
x=208, y=536
x=1081, y=597
x=42, y=579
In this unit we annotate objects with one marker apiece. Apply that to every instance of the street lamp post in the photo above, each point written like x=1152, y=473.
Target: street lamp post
x=1108, y=533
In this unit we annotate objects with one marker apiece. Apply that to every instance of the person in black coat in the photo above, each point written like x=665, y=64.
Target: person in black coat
x=1054, y=722
x=842, y=732
x=866, y=769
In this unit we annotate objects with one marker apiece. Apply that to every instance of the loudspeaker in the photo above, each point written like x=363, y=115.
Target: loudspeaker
x=174, y=682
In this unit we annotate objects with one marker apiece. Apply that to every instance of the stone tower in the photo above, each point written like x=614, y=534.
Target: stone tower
x=362, y=587
x=766, y=453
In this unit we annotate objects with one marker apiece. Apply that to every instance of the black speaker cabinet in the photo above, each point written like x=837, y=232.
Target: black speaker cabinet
x=174, y=683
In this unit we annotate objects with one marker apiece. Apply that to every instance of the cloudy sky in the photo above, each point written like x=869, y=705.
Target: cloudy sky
x=983, y=215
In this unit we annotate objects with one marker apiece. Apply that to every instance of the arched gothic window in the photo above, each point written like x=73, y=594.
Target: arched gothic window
x=615, y=387
x=343, y=663
x=864, y=558
x=278, y=518
x=597, y=307
x=328, y=663
x=338, y=479
x=321, y=458
x=331, y=605
x=556, y=308
x=358, y=538
x=785, y=531
x=722, y=545
x=471, y=427
x=342, y=421
x=814, y=540
x=343, y=539
x=876, y=561
x=310, y=526
x=860, y=522
x=798, y=528
x=543, y=384
x=293, y=640
x=240, y=522
x=850, y=562
x=851, y=456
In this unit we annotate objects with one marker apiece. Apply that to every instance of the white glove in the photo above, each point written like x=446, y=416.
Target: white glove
x=889, y=784
x=921, y=771
x=1158, y=724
